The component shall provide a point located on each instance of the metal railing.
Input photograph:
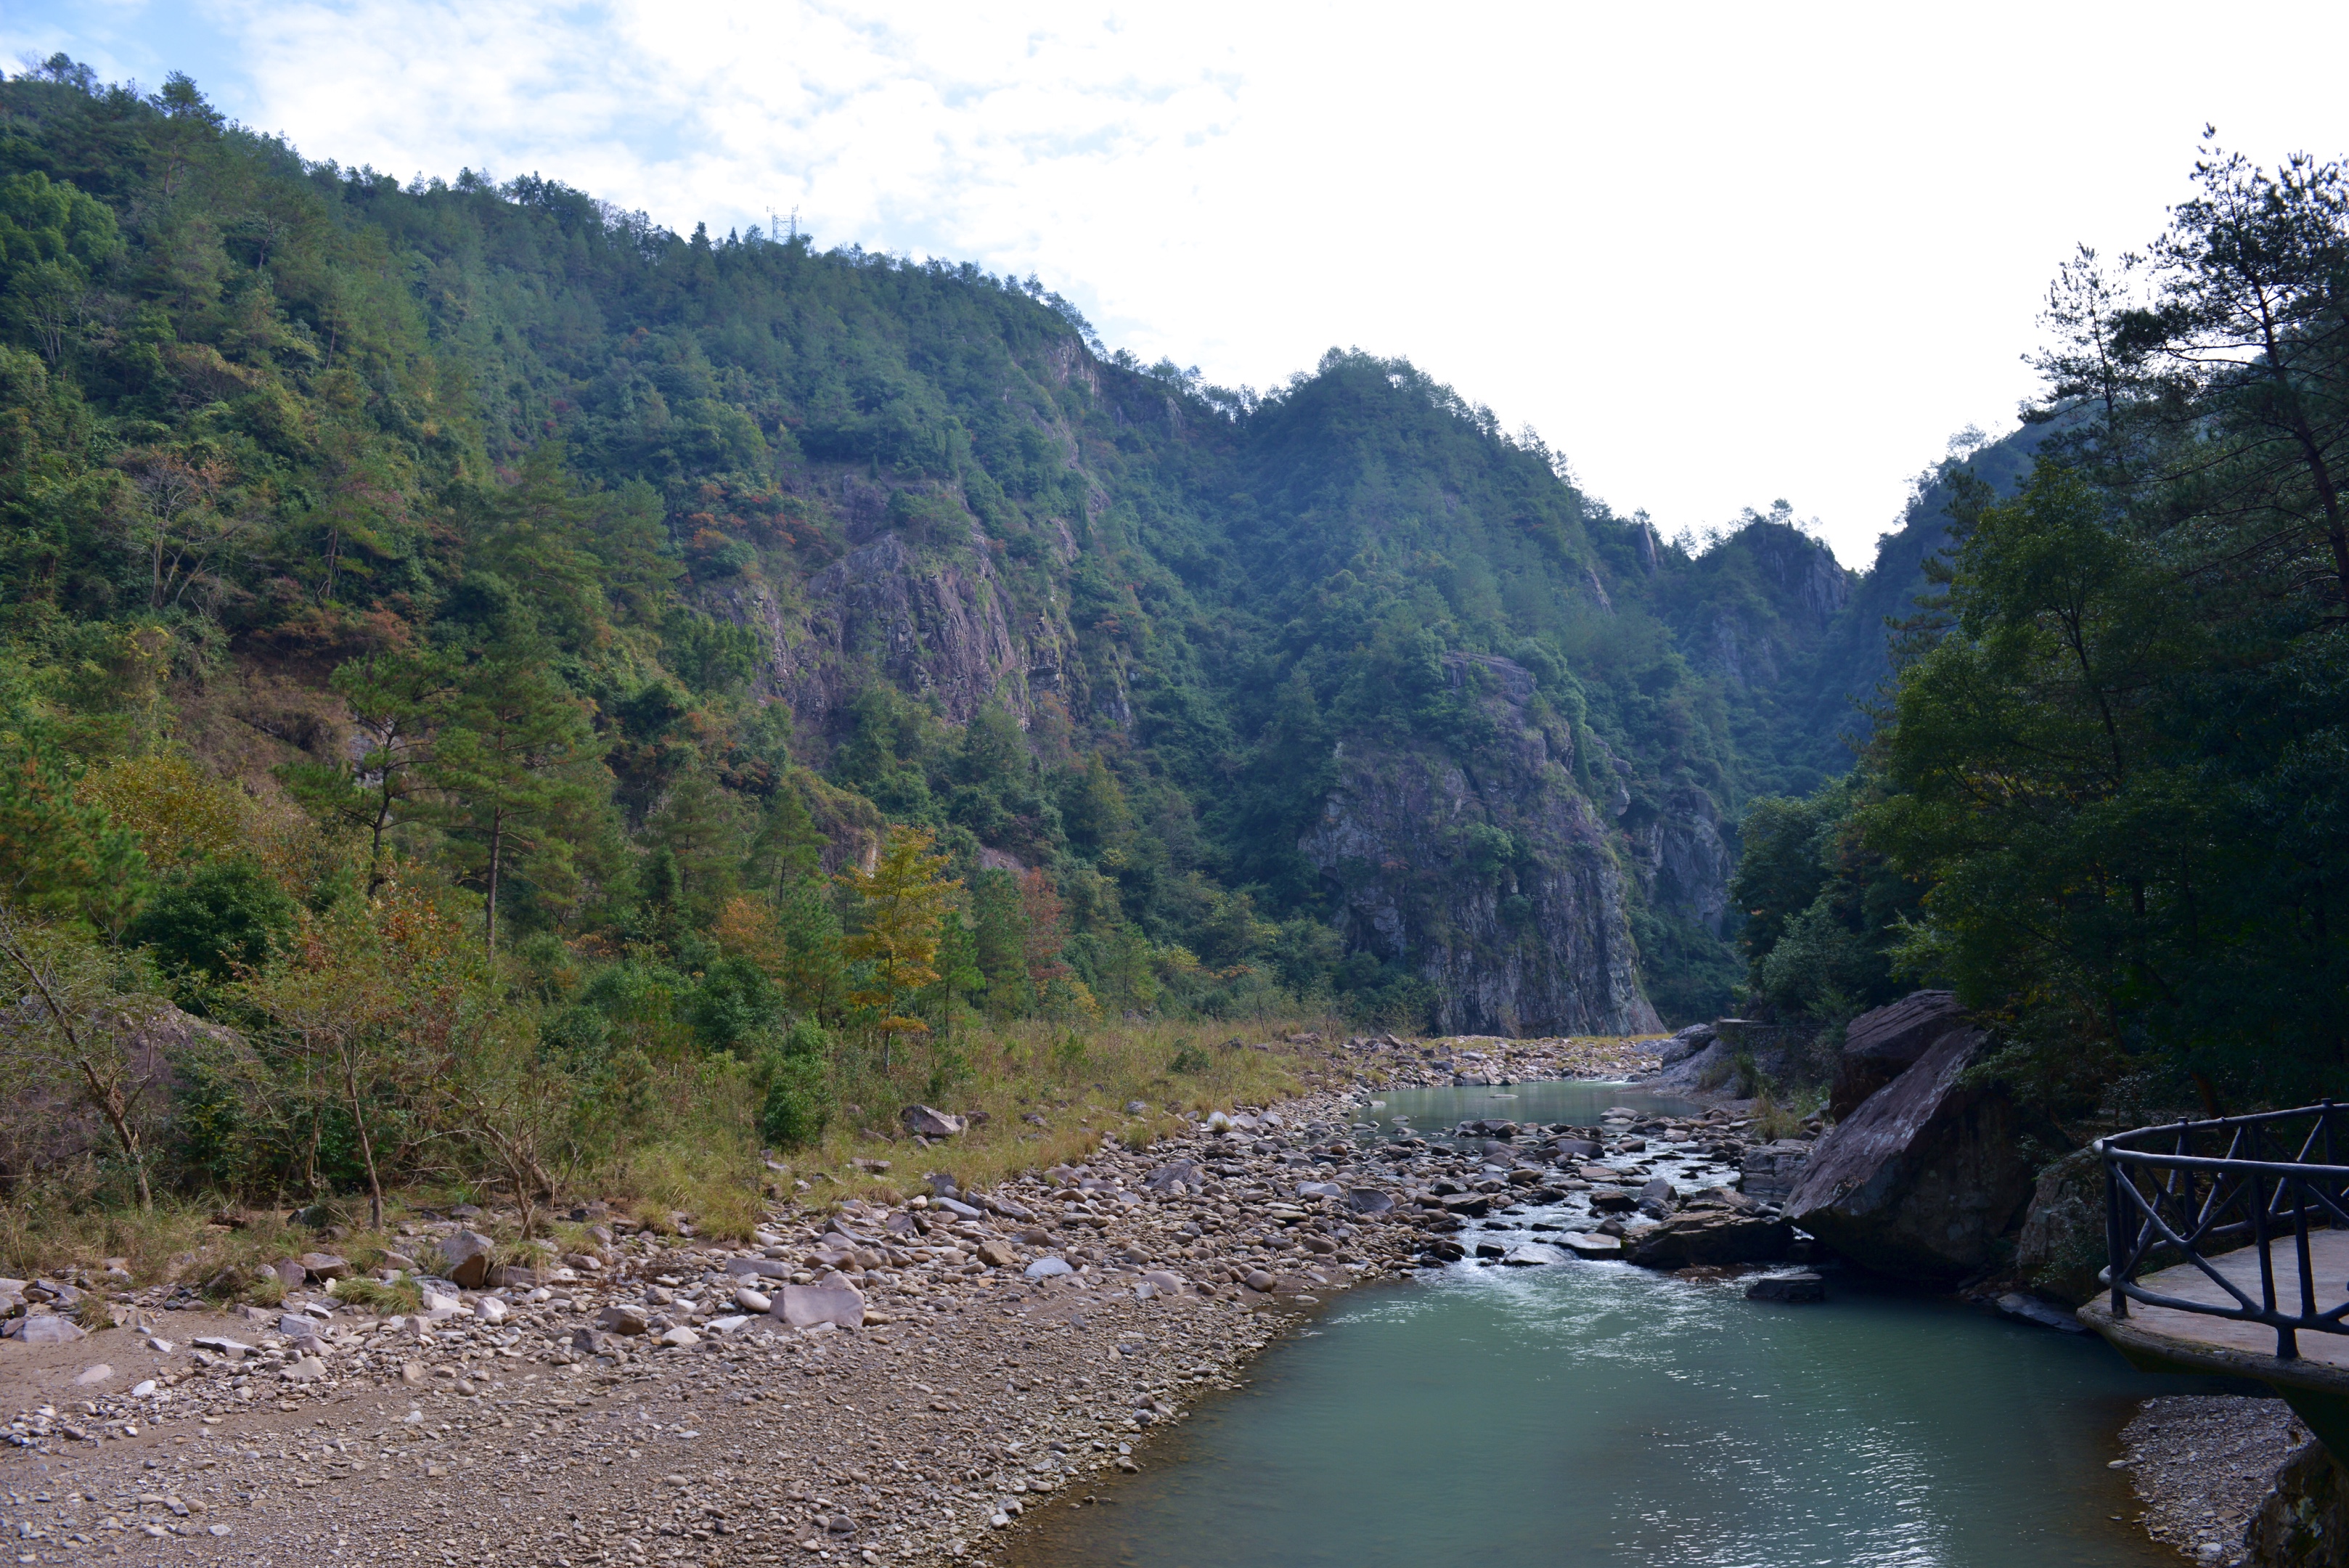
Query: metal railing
(2188, 1191)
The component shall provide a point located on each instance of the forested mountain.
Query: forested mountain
(607, 586)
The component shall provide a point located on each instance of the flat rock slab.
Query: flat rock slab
(804, 1306)
(1712, 1236)
(48, 1329)
(1595, 1244)
(1533, 1254)
(1805, 1287)
(2031, 1308)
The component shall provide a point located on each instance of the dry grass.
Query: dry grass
(176, 1242)
(1773, 1120)
(1079, 1084)
(379, 1297)
(695, 1154)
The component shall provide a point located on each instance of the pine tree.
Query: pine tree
(508, 761)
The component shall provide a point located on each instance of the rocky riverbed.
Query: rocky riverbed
(1465, 1060)
(889, 1383)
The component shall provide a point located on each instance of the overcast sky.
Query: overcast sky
(1715, 255)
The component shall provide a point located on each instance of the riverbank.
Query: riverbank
(957, 1358)
(2202, 1465)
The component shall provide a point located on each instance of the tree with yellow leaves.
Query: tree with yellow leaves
(905, 897)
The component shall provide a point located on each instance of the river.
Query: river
(1596, 1413)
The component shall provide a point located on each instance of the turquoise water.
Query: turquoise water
(1594, 1413)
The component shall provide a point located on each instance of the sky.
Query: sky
(1716, 255)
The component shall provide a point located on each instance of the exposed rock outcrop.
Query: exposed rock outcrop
(1685, 1043)
(1682, 863)
(937, 628)
(1881, 1045)
(2302, 1523)
(1489, 872)
(1925, 1177)
(47, 1117)
(2062, 1245)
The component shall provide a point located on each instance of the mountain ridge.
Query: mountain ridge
(894, 500)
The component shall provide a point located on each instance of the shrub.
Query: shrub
(797, 1104)
(223, 914)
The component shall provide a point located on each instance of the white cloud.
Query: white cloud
(1715, 253)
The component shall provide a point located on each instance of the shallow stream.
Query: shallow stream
(1596, 1413)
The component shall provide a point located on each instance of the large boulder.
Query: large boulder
(2061, 1246)
(927, 1121)
(46, 1329)
(467, 1258)
(1685, 1043)
(1924, 1180)
(1880, 1046)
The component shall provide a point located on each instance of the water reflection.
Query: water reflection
(1594, 1413)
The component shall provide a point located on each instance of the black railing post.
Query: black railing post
(2324, 1123)
(2300, 1246)
(2114, 1268)
(2287, 1343)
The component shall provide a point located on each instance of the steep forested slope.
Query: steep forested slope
(655, 572)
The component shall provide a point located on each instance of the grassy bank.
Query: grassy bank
(1037, 1094)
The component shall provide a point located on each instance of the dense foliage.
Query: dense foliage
(2112, 787)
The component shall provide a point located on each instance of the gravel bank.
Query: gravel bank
(2201, 1463)
(651, 1401)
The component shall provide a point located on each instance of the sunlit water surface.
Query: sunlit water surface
(1596, 1413)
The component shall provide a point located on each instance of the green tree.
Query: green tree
(213, 920)
(53, 238)
(701, 824)
(60, 853)
(1093, 808)
(512, 760)
(1000, 940)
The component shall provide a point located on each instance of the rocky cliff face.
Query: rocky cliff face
(1680, 859)
(933, 624)
(1490, 874)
